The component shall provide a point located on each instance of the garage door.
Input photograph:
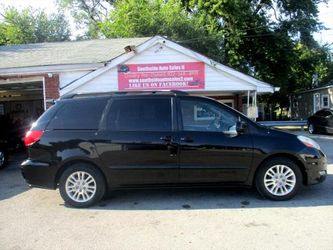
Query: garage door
(21, 103)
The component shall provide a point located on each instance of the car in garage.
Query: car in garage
(321, 122)
(4, 140)
(3, 154)
(11, 139)
(86, 145)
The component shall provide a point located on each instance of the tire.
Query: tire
(270, 184)
(75, 192)
(311, 128)
(3, 159)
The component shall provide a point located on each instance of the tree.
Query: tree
(32, 26)
(268, 39)
(128, 18)
(88, 14)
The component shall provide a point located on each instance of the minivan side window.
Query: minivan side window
(205, 116)
(79, 114)
(140, 115)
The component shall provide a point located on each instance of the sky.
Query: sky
(325, 15)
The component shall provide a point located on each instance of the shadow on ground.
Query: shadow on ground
(13, 184)
(11, 180)
(213, 198)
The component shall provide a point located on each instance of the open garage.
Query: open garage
(21, 102)
(22, 99)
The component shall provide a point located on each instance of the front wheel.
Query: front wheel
(279, 179)
(81, 185)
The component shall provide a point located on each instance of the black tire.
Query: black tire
(3, 159)
(311, 128)
(271, 165)
(100, 185)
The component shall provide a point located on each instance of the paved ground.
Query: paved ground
(167, 219)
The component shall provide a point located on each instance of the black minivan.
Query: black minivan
(89, 144)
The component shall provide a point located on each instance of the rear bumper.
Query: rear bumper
(38, 174)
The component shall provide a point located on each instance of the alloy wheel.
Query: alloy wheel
(279, 180)
(80, 186)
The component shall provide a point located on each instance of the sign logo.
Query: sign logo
(161, 76)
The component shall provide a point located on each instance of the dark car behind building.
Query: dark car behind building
(321, 122)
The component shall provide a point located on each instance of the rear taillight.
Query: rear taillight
(32, 136)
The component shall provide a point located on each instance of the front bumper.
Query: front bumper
(38, 174)
(315, 167)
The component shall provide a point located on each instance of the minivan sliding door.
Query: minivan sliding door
(138, 145)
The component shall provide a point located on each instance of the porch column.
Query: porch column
(255, 105)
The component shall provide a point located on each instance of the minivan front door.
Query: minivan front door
(211, 151)
(138, 145)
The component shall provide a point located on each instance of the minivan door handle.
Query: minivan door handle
(186, 139)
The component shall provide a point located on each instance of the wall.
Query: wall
(215, 80)
(52, 87)
(304, 106)
(66, 78)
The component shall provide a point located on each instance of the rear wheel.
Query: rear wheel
(3, 159)
(279, 179)
(81, 185)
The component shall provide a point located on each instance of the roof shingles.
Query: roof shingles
(60, 53)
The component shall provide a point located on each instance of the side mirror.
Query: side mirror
(241, 127)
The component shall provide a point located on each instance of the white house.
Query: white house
(32, 74)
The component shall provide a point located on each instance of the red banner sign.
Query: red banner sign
(161, 76)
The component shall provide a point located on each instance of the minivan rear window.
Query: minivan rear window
(79, 114)
(44, 119)
(140, 115)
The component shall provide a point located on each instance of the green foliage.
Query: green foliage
(269, 39)
(88, 15)
(32, 26)
(146, 18)
(131, 18)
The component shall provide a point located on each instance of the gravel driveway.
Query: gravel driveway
(167, 219)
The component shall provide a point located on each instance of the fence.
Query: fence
(301, 124)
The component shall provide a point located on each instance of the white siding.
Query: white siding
(106, 82)
(215, 80)
(68, 77)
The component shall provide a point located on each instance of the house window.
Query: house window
(324, 101)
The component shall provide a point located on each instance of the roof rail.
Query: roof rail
(175, 92)
(179, 92)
